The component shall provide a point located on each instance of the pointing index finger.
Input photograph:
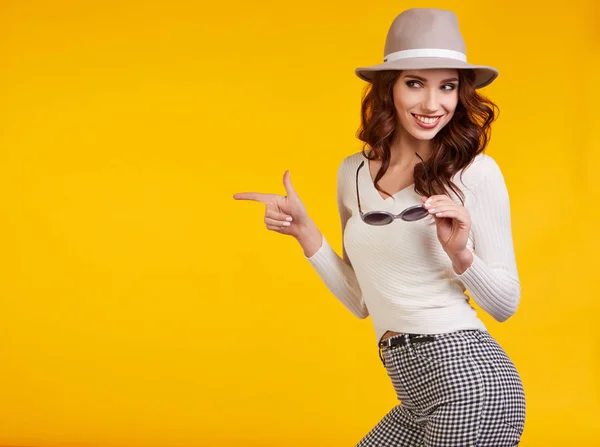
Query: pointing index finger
(254, 196)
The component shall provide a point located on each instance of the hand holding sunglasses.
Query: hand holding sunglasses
(453, 223)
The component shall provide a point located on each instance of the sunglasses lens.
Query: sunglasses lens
(376, 218)
(414, 213)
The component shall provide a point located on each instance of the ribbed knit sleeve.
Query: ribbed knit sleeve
(492, 280)
(337, 272)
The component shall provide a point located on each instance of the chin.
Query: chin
(424, 135)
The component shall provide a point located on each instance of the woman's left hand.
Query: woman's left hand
(453, 223)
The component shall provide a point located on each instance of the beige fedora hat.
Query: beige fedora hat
(423, 38)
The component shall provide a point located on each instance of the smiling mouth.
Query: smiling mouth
(427, 119)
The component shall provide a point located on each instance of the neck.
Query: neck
(402, 150)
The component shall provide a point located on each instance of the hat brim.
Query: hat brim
(484, 75)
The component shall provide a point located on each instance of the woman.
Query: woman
(425, 217)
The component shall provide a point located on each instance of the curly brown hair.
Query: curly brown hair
(454, 147)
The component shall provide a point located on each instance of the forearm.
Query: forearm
(334, 271)
(493, 289)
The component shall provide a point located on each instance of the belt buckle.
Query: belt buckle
(390, 341)
(400, 340)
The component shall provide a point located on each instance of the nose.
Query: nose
(430, 101)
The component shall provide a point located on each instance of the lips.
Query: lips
(427, 122)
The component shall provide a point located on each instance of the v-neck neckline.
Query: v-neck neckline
(377, 192)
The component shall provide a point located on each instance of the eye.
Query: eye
(413, 84)
(449, 87)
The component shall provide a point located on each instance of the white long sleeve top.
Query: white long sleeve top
(400, 275)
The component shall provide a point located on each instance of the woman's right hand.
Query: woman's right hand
(283, 214)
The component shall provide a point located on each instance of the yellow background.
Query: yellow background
(142, 306)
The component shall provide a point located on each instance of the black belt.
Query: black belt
(400, 340)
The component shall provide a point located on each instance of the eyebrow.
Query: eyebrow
(425, 80)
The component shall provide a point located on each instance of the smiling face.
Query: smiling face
(425, 100)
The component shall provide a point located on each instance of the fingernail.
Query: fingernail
(289, 219)
(286, 224)
(432, 210)
(439, 214)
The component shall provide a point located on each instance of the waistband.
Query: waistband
(403, 339)
(406, 339)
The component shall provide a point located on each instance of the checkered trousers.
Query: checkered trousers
(458, 390)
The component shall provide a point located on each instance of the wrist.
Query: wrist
(461, 261)
(309, 237)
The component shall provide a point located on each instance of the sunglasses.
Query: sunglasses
(410, 214)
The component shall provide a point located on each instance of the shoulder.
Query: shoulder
(349, 164)
(483, 169)
(484, 181)
(352, 161)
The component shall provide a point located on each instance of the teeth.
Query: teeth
(427, 120)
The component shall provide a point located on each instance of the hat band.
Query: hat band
(426, 52)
